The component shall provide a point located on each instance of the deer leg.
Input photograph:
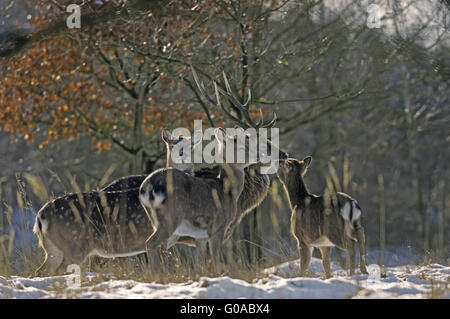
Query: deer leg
(215, 250)
(201, 251)
(53, 259)
(326, 260)
(154, 246)
(351, 254)
(229, 230)
(361, 242)
(305, 258)
(231, 226)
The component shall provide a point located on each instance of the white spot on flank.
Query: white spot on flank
(159, 198)
(322, 241)
(345, 211)
(146, 203)
(44, 225)
(356, 212)
(144, 200)
(189, 230)
(104, 254)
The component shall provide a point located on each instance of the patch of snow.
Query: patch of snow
(277, 282)
(395, 256)
(292, 268)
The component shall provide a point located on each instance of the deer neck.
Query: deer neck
(297, 192)
(256, 186)
(235, 176)
(168, 159)
(253, 193)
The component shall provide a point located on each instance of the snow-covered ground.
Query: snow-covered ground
(278, 282)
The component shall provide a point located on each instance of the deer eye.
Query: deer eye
(181, 152)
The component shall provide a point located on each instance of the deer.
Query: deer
(256, 186)
(256, 183)
(109, 223)
(182, 205)
(134, 181)
(321, 221)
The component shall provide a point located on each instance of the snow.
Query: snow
(407, 281)
(404, 279)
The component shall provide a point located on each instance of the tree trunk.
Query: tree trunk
(252, 234)
(381, 261)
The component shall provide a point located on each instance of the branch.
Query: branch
(199, 99)
(13, 42)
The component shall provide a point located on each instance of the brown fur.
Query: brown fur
(73, 227)
(59, 244)
(317, 217)
(173, 198)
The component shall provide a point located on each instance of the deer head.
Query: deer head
(293, 167)
(265, 146)
(180, 150)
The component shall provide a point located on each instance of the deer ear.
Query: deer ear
(305, 164)
(166, 135)
(307, 161)
(221, 135)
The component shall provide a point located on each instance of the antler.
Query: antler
(216, 102)
(243, 108)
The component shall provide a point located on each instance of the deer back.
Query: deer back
(106, 221)
(178, 195)
(125, 183)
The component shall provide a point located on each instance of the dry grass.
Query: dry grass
(22, 259)
(242, 258)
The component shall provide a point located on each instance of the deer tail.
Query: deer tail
(40, 224)
(351, 213)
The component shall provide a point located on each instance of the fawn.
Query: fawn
(321, 221)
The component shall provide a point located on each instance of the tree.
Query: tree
(338, 87)
(88, 82)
